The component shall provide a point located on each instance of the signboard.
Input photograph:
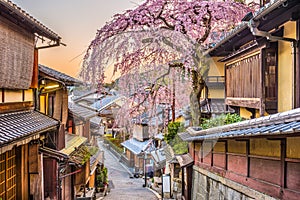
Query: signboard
(166, 183)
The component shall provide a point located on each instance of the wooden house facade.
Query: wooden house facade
(53, 101)
(253, 159)
(82, 150)
(261, 59)
(23, 128)
(256, 158)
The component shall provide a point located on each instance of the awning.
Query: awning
(82, 154)
(135, 146)
(184, 160)
(18, 126)
(278, 124)
(72, 143)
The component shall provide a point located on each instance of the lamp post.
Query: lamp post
(145, 173)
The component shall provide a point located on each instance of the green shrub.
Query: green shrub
(178, 145)
(221, 120)
(173, 128)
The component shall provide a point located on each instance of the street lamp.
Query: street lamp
(145, 173)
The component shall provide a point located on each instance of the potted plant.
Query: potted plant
(101, 180)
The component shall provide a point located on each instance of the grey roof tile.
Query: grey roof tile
(16, 125)
(23, 17)
(135, 146)
(68, 80)
(82, 112)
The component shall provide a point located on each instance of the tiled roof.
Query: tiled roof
(159, 157)
(170, 155)
(72, 143)
(97, 158)
(135, 146)
(159, 136)
(68, 80)
(82, 112)
(184, 159)
(261, 13)
(22, 16)
(105, 102)
(95, 121)
(17, 125)
(278, 124)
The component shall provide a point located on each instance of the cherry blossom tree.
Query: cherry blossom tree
(165, 39)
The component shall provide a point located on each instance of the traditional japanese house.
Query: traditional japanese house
(261, 58)
(136, 156)
(253, 159)
(257, 158)
(108, 107)
(213, 95)
(53, 101)
(22, 127)
(80, 149)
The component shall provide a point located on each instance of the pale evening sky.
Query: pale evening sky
(76, 21)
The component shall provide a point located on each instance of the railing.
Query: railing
(215, 81)
(113, 148)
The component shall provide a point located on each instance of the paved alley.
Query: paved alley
(122, 187)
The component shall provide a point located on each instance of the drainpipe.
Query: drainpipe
(256, 32)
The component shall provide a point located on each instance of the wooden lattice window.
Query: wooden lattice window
(8, 187)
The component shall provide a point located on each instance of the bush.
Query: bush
(221, 120)
(178, 145)
(173, 128)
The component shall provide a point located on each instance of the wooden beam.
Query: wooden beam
(15, 106)
(244, 102)
(3, 95)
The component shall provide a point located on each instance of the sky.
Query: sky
(76, 21)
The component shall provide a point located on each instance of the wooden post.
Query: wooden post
(248, 157)
(297, 67)
(262, 83)
(283, 163)
(35, 179)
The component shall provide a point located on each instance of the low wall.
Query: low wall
(207, 185)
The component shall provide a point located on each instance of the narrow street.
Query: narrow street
(122, 187)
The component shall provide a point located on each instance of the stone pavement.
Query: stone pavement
(122, 187)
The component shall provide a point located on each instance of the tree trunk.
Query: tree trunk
(195, 102)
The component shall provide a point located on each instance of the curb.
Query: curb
(154, 192)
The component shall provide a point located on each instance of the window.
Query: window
(8, 175)
(270, 74)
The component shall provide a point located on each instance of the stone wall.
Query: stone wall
(207, 185)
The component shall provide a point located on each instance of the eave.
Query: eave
(15, 14)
